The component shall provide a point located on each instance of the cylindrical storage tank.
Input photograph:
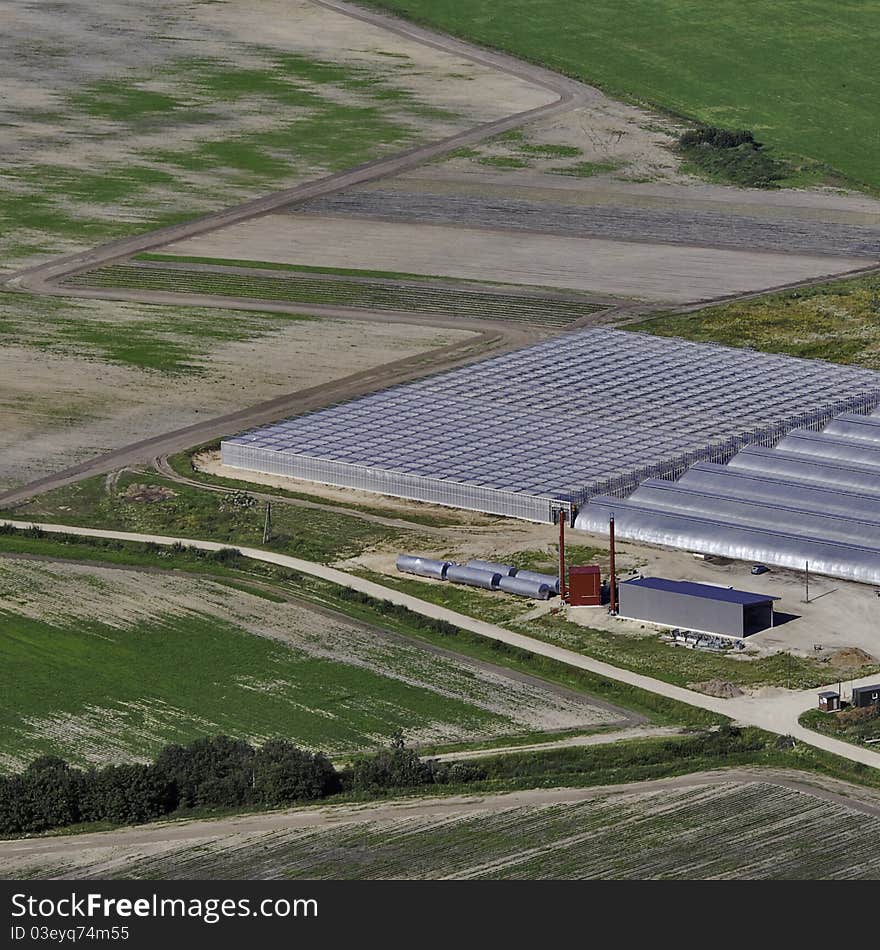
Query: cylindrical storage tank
(423, 566)
(551, 580)
(505, 570)
(462, 574)
(524, 587)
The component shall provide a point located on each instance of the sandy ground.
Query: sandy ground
(663, 273)
(49, 55)
(57, 409)
(210, 464)
(840, 614)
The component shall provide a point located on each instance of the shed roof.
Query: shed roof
(706, 591)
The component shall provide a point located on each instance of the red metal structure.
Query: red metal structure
(584, 585)
(563, 587)
(612, 576)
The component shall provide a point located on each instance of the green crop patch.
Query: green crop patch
(797, 72)
(838, 322)
(154, 505)
(140, 336)
(97, 693)
(299, 288)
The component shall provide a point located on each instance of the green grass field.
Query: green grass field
(838, 322)
(91, 692)
(325, 117)
(649, 655)
(800, 73)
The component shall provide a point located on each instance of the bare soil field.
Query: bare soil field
(68, 394)
(658, 272)
(337, 684)
(116, 118)
(721, 826)
(572, 212)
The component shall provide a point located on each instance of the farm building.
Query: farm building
(866, 695)
(699, 607)
(697, 446)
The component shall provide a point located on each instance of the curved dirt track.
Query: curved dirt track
(778, 714)
(303, 400)
(44, 278)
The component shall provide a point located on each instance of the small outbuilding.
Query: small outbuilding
(700, 607)
(584, 585)
(829, 700)
(866, 695)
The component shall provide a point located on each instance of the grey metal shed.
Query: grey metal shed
(700, 607)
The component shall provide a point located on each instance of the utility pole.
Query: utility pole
(267, 526)
(806, 582)
(612, 579)
(563, 587)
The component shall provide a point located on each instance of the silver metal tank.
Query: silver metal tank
(423, 566)
(462, 574)
(524, 587)
(505, 570)
(551, 580)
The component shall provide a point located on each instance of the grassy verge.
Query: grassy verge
(368, 610)
(857, 726)
(182, 463)
(837, 321)
(649, 655)
(645, 654)
(151, 504)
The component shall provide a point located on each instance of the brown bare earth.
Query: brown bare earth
(656, 272)
(59, 409)
(689, 827)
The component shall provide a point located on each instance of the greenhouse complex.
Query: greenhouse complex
(692, 445)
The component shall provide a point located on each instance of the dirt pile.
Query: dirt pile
(721, 689)
(850, 658)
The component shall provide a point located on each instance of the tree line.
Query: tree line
(212, 772)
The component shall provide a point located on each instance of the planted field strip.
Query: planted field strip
(110, 665)
(672, 225)
(359, 293)
(729, 830)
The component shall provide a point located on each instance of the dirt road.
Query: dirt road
(778, 713)
(304, 400)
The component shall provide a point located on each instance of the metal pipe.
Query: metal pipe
(612, 577)
(563, 588)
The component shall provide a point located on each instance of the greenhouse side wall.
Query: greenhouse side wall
(432, 490)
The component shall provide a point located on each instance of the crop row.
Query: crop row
(726, 831)
(306, 289)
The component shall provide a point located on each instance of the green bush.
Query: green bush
(733, 156)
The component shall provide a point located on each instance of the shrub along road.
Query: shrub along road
(778, 714)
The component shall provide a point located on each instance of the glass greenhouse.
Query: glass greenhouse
(588, 413)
